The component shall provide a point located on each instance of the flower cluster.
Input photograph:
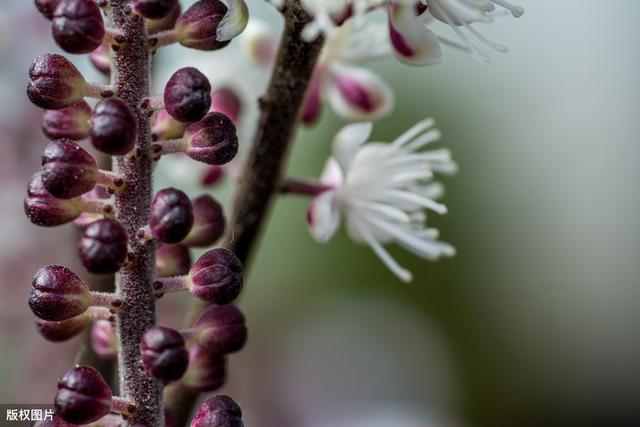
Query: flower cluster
(71, 188)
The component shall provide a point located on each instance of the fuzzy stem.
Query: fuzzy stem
(130, 77)
(262, 172)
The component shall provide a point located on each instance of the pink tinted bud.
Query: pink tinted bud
(71, 122)
(187, 95)
(77, 26)
(113, 127)
(101, 59)
(54, 82)
(216, 277)
(313, 101)
(212, 176)
(171, 215)
(164, 355)
(45, 210)
(212, 140)
(57, 331)
(103, 339)
(103, 246)
(208, 224)
(154, 9)
(68, 170)
(206, 370)
(172, 260)
(197, 27)
(57, 293)
(83, 396)
(221, 329)
(218, 411)
(167, 23)
(225, 100)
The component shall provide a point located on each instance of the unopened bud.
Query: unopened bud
(83, 396)
(68, 170)
(172, 260)
(63, 330)
(77, 26)
(57, 293)
(187, 95)
(221, 329)
(113, 127)
(212, 140)
(71, 122)
(208, 224)
(171, 215)
(103, 339)
(45, 210)
(103, 246)
(206, 370)
(216, 277)
(198, 26)
(54, 82)
(154, 9)
(218, 411)
(164, 355)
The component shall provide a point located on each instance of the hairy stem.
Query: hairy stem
(130, 76)
(263, 170)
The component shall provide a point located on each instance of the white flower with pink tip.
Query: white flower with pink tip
(382, 190)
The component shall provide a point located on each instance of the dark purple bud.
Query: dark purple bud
(216, 277)
(83, 396)
(154, 9)
(164, 355)
(187, 95)
(113, 127)
(165, 24)
(63, 330)
(212, 140)
(206, 370)
(57, 293)
(54, 82)
(77, 26)
(171, 215)
(101, 59)
(198, 25)
(46, 7)
(221, 329)
(226, 101)
(103, 339)
(172, 260)
(218, 411)
(71, 122)
(103, 246)
(166, 127)
(208, 223)
(68, 170)
(45, 210)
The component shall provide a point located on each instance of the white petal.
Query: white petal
(412, 42)
(359, 94)
(323, 216)
(234, 21)
(347, 142)
(332, 174)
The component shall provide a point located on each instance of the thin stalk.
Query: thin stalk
(262, 173)
(130, 77)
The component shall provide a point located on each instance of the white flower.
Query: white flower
(382, 191)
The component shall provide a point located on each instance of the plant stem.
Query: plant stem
(130, 76)
(263, 169)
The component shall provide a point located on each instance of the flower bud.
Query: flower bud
(55, 421)
(103, 339)
(198, 26)
(77, 26)
(216, 277)
(164, 355)
(103, 246)
(57, 293)
(154, 9)
(218, 411)
(206, 370)
(46, 7)
(208, 223)
(166, 127)
(45, 210)
(171, 215)
(155, 26)
(172, 260)
(71, 122)
(101, 58)
(83, 396)
(227, 102)
(221, 329)
(54, 82)
(187, 95)
(212, 140)
(68, 170)
(212, 176)
(63, 330)
(113, 127)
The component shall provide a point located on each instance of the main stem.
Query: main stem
(262, 172)
(131, 76)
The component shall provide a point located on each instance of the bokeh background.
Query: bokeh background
(534, 323)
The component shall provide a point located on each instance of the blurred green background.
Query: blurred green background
(533, 323)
